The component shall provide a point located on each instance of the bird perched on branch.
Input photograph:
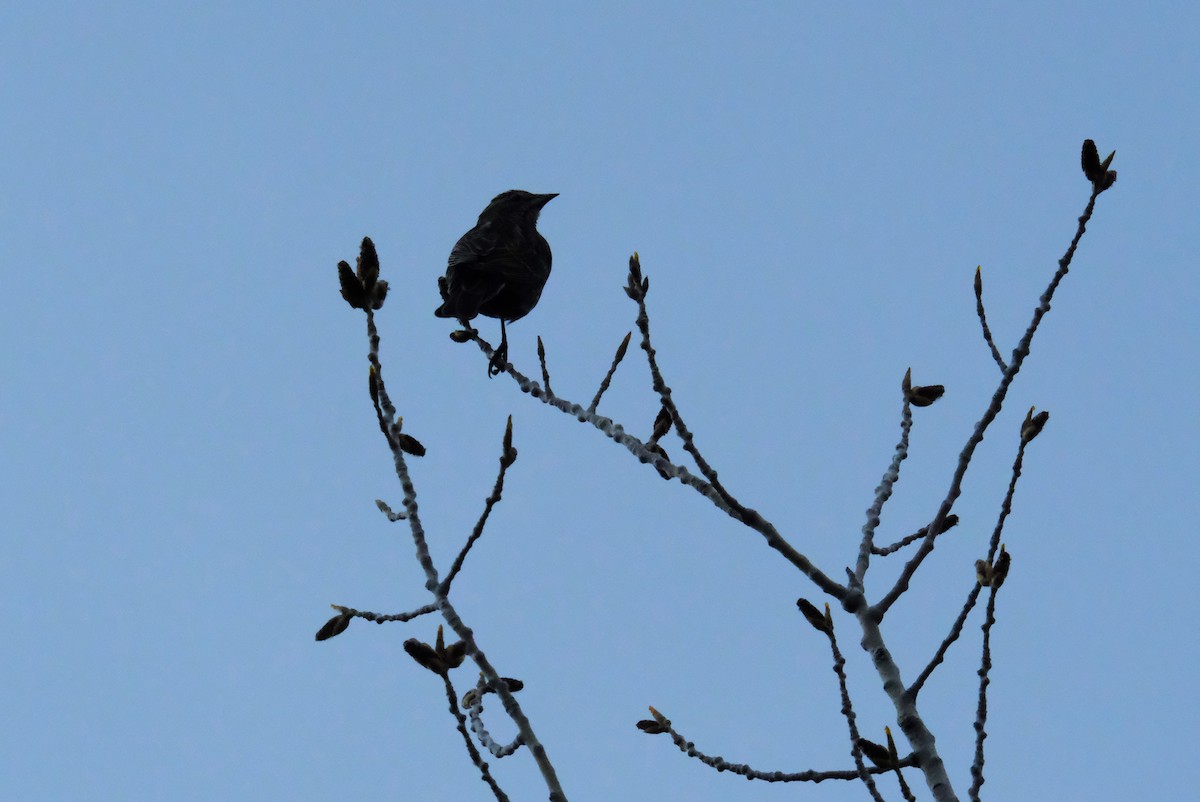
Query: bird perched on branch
(499, 267)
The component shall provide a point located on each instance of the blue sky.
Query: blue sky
(191, 459)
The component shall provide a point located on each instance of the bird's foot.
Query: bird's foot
(498, 362)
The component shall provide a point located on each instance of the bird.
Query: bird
(499, 268)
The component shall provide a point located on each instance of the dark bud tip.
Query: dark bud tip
(978, 280)
(659, 451)
(950, 522)
(514, 685)
(891, 746)
(410, 445)
(651, 727)
(352, 289)
(924, 395)
(425, 655)
(623, 347)
(635, 266)
(508, 454)
(460, 336)
(368, 264)
(876, 753)
(814, 616)
(379, 294)
(662, 425)
(636, 287)
(1000, 569)
(454, 654)
(1033, 425)
(334, 627)
(1090, 160)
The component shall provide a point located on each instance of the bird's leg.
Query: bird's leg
(500, 355)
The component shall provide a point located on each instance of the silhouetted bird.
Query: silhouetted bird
(499, 267)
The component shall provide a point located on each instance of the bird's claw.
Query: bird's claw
(498, 362)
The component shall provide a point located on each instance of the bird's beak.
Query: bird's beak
(544, 199)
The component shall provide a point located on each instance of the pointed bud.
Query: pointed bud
(1000, 571)
(651, 727)
(425, 656)
(623, 347)
(949, 522)
(460, 336)
(1090, 161)
(334, 627)
(410, 445)
(379, 294)
(876, 753)
(662, 425)
(1033, 425)
(921, 395)
(454, 654)
(983, 572)
(636, 287)
(814, 616)
(368, 265)
(352, 289)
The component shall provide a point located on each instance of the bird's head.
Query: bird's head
(518, 203)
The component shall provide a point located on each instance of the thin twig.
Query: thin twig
(481, 731)
(381, 618)
(947, 642)
(743, 770)
(839, 668)
(542, 359)
(747, 516)
(997, 402)
(882, 493)
(635, 446)
(611, 370)
(476, 758)
(1006, 505)
(987, 333)
(973, 596)
(506, 459)
(432, 583)
(951, 522)
(985, 667)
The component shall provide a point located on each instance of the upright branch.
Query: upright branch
(979, 310)
(1102, 178)
(498, 269)
(363, 289)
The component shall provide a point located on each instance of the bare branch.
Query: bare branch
(987, 333)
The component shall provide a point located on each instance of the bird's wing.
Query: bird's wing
(478, 244)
